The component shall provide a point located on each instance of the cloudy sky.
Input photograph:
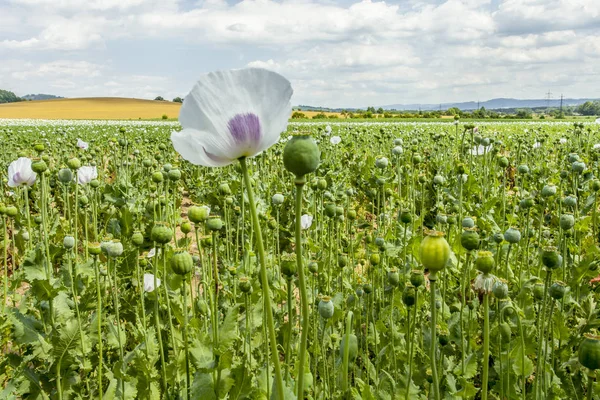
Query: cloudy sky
(346, 53)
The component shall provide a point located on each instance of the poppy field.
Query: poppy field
(450, 260)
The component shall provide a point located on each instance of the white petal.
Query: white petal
(219, 96)
(192, 146)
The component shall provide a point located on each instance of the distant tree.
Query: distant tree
(165, 116)
(177, 100)
(371, 110)
(298, 115)
(589, 108)
(453, 111)
(8, 97)
(319, 116)
(524, 113)
(159, 98)
(380, 110)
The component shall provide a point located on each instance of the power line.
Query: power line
(548, 97)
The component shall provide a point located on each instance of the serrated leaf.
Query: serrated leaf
(228, 331)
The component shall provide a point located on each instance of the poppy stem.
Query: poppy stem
(265, 282)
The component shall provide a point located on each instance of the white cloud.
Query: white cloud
(336, 54)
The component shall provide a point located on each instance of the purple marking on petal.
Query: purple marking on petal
(17, 178)
(245, 128)
(214, 157)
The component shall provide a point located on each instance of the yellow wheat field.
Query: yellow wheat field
(91, 108)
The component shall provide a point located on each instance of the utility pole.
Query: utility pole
(548, 97)
(561, 101)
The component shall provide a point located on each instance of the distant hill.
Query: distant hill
(8, 97)
(493, 104)
(41, 97)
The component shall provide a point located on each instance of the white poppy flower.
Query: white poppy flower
(335, 140)
(153, 252)
(82, 145)
(480, 150)
(328, 130)
(232, 114)
(306, 221)
(537, 145)
(562, 140)
(149, 283)
(598, 121)
(20, 173)
(86, 174)
(596, 146)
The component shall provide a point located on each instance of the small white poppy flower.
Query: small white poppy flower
(328, 130)
(20, 173)
(82, 145)
(149, 283)
(86, 174)
(562, 140)
(537, 145)
(596, 146)
(232, 114)
(480, 150)
(335, 140)
(153, 252)
(306, 221)
(597, 121)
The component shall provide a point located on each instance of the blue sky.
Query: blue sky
(336, 53)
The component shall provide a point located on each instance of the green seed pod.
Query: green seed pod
(417, 278)
(523, 169)
(505, 331)
(393, 277)
(512, 235)
(182, 262)
(12, 211)
(374, 258)
(409, 296)
(322, 184)
(83, 200)
(330, 210)
(589, 352)
(551, 257)
(503, 162)
(498, 237)
(567, 221)
(538, 291)
(468, 222)
(288, 264)
(434, 251)
(147, 163)
(367, 288)
(595, 185)
(469, 239)
(381, 162)
(557, 290)
(224, 189)
(313, 267)
(94, 183)
(485, 262)
(570, 201)
(198, 214)
(443, 338)
(342, 261)
(326, 307)
(405, 217)
(351, 215)
(500, 290)
(114, 249)
(214, 224)
(68, 242)
(65, 176)
(352, 347)
(39, 147)
(137, 238)
(185, 227)
(74, 163)
(157, 177)
(39, 166)
(94, 248)
(161, 233)
(244, 284)
(439, 180)
(301, 155)
(548, 191)
(578, 167)
(174, 174)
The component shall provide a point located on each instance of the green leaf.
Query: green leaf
(203, 387)
(517, 363)
(228, 332)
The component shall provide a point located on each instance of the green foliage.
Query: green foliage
(8, 97)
